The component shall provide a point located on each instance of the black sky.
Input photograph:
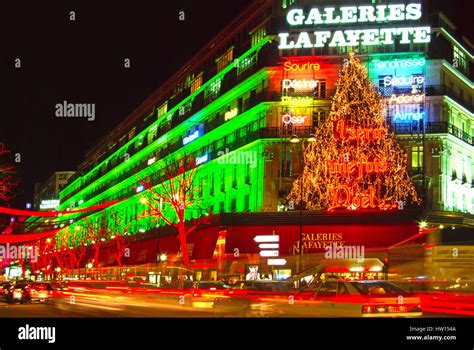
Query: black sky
(82, 61)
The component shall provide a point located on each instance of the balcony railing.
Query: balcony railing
(432, 128)
(429, 90)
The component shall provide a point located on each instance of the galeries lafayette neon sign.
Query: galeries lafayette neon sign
(347, 15)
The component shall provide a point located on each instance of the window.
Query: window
(131, 134)
(196, 83)
(214, 89)
(320, 90)
(223, 180)
(224, 60)
(179, 87)
(152, 133)
(287, 164)
(459, 59)
(221, 207)
(212, 184)
(318, 118)
(417, 157)
(233, 205)
(234, 178)
(247, 202)
(139, 142)
(201, 187)
(163, 109)
(258, 35)
(185, 108)
(246, 63)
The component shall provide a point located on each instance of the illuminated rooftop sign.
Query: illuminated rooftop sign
(404, 80)
(407, 99)
(300, 85)
(403, 63)
(346, 15)
(291, 119)
(290, 66)
(297, 101)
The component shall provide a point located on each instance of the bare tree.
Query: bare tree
(7, 181)
(175, 191)
(119, 238)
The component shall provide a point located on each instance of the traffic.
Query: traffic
(319, 291)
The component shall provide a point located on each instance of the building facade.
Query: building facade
(266, 78)
(47, 193)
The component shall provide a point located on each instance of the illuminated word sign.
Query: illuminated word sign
(291, 119)
(49, 204)
(343, 132)
(191, 137)
(403, 81)
(300, 85)
(358, 168)
(408, 116)
(202, 159)
(231, 114)
(346, 197)
(405, 63)
(406, 99)
(344, 15)
(289, 66)
(297, 101)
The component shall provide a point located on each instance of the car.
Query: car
(329, 298)
(246, 297)
(363, 298)
(30, 292)
(263, 286)
(203, 293)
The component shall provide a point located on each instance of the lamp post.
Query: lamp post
(295, 139)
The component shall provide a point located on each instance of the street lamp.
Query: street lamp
(295, 139)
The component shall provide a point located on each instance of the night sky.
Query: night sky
(82, 61)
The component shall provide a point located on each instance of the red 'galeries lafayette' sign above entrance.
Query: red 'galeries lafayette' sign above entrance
(317, 237)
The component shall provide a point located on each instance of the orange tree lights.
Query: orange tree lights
(355, 163)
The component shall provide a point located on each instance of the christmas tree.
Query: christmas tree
(355, 163)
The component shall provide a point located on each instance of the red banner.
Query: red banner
(316, 237)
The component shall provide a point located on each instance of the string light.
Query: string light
(356, 162)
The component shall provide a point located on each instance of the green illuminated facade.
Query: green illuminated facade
(226, 109)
